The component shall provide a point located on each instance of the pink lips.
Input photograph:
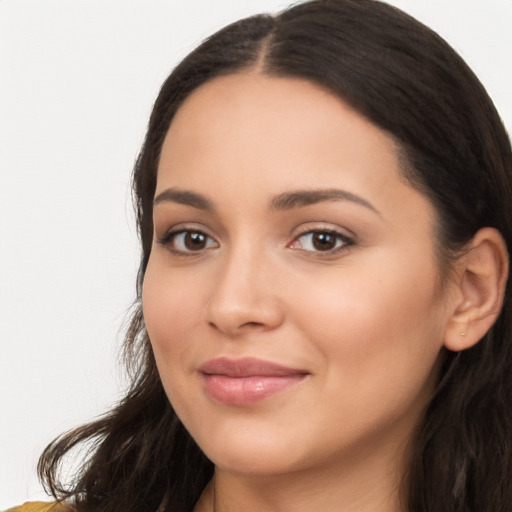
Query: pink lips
(246, 381)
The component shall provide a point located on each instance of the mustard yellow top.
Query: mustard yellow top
(41, 506)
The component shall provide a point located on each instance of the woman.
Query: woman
(324, 208)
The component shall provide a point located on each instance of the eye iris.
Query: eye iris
(195, 241)
(324, 241)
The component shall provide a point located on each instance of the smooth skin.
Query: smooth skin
(285, 231)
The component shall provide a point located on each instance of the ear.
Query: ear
(481, 277)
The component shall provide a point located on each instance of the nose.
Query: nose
(244, 297)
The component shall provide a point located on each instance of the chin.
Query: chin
(252, 451)
(255, 462)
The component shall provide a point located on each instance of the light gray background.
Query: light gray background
(77, 81)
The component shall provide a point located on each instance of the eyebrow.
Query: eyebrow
(185, 197)
(284, 201)
(301, 198)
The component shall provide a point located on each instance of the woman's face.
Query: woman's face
(292, 295)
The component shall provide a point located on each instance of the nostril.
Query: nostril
(252, 324)
(246, 325)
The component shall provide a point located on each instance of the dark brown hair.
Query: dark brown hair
(409, 82)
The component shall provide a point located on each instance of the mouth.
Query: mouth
(246, 381)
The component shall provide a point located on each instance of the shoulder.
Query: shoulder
(40, 506)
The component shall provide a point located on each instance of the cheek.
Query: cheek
(376, 329)
(171, 308)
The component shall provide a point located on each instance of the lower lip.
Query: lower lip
(247, 390)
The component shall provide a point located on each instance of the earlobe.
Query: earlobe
(482, 274)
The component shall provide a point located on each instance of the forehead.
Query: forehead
(250, 100)
(248, 135)
(269, 121)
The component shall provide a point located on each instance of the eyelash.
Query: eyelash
(342, 241)
(171, 236)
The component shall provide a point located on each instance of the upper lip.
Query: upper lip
(247, 367)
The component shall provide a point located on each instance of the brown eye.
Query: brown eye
(195, 241)
(321, 242)
(188, 241)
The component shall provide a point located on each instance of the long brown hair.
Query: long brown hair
(454, 148)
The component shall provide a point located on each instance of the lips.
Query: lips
(248, 380)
